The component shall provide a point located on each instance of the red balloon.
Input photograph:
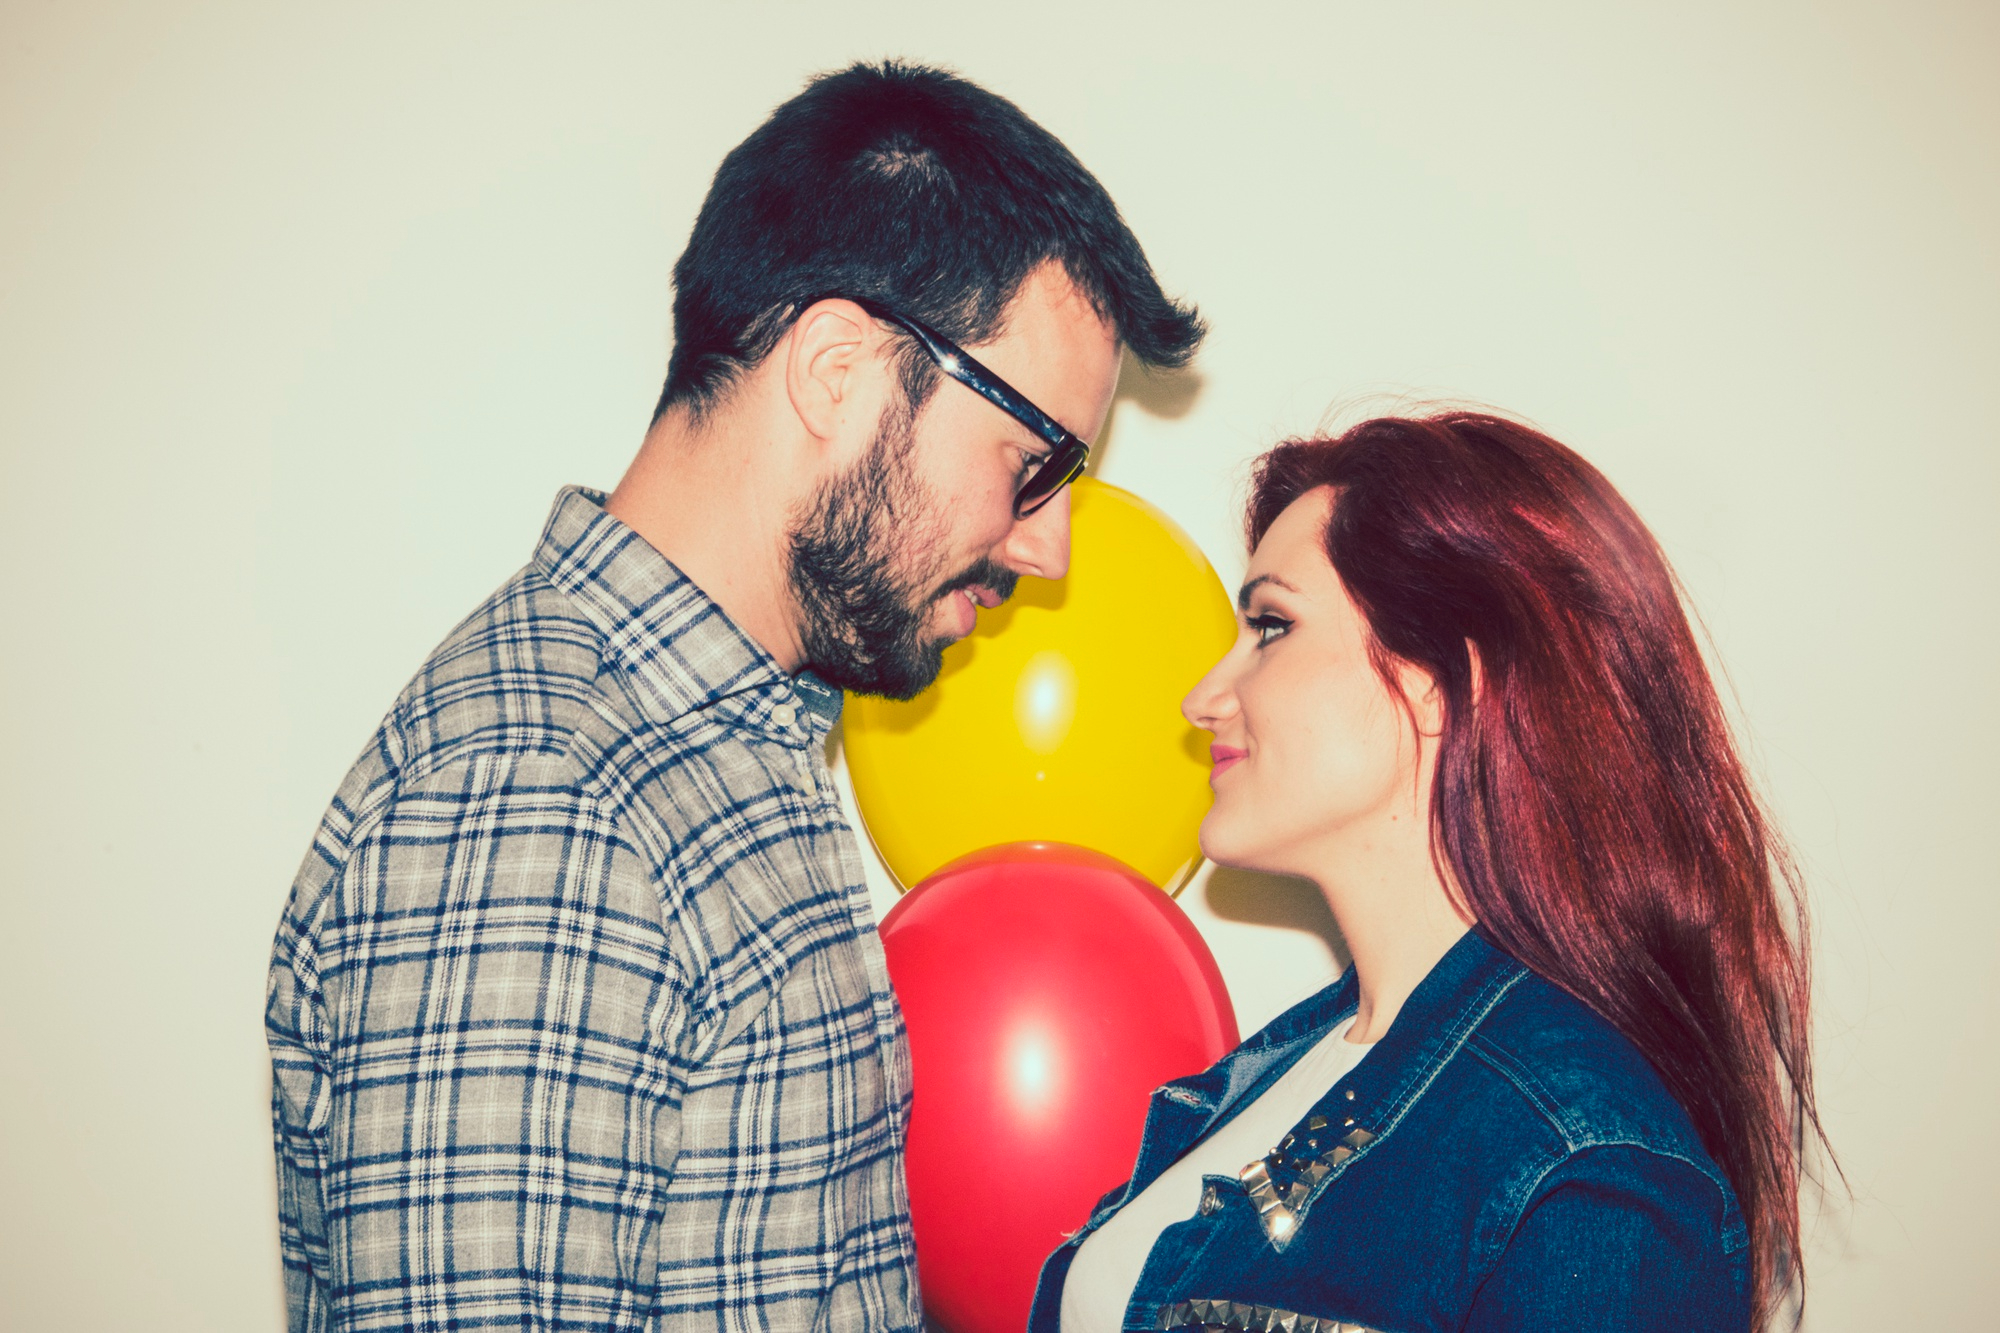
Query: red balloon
(1048, 990)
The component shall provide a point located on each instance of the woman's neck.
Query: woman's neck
(1396, 914)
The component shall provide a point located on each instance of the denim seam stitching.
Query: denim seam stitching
(1524, 1082)
(1576, 1140)
(1740, 1232)
(1475, 1014)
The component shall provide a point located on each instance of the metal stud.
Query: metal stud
(1246, 1317)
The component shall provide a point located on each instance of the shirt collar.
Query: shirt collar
(679, 649)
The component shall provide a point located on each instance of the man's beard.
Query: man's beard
(867, 568)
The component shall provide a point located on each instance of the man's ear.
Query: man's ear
(828, 358)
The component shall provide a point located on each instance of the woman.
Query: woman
(1566, 1082)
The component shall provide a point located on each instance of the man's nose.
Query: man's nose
(1039, 543)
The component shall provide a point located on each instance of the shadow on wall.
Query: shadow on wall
(1169, 394)
(1274, 900)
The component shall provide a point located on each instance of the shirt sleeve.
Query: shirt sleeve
(1618, 1240)
(477, 1086)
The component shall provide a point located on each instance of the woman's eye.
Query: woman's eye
(1268, 627)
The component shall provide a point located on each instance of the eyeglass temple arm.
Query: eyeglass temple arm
(963, 367)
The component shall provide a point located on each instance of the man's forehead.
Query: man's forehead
(1055, 348)
(1048, 301)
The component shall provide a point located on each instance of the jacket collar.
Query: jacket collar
(1366, 1106)
(1434, 1022)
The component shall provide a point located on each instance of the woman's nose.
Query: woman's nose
(1213, 699)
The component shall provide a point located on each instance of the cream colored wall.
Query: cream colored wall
(305, 313)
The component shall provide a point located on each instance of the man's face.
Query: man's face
(891, 558)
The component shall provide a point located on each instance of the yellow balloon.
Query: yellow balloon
(1058, 718)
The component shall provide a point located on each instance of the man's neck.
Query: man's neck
(706, 498)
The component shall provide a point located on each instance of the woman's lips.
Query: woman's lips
(1224, 757)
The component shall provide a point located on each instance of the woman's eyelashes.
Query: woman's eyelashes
(1267, 626)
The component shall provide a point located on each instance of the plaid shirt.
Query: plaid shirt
(577, 1014)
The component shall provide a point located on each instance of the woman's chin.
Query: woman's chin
(1224, 850)
(1245, 845)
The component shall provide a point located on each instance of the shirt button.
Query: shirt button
(784, 715)
(1211, 1201)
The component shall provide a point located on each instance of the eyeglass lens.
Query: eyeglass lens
(1058, 470)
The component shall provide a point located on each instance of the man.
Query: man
(577, 1014)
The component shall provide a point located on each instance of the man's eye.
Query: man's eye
(1031, 463)
(1268, 627)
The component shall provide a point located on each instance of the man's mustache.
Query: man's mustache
(985, 574)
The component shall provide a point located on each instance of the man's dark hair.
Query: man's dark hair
(912, 187)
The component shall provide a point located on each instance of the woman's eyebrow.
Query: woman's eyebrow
(1243, 593)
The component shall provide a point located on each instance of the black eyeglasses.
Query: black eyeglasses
(1055, 469)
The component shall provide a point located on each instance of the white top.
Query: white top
(1106, 1268)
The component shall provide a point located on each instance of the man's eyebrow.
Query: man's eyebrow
(1243, 593)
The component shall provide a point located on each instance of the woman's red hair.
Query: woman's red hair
(1589, 800)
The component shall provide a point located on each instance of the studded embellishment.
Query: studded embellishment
(1218, 1316)
(1280, 1182)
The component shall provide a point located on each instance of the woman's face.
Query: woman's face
(1313, 752)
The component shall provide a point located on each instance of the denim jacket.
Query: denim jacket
(1502, 1159)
